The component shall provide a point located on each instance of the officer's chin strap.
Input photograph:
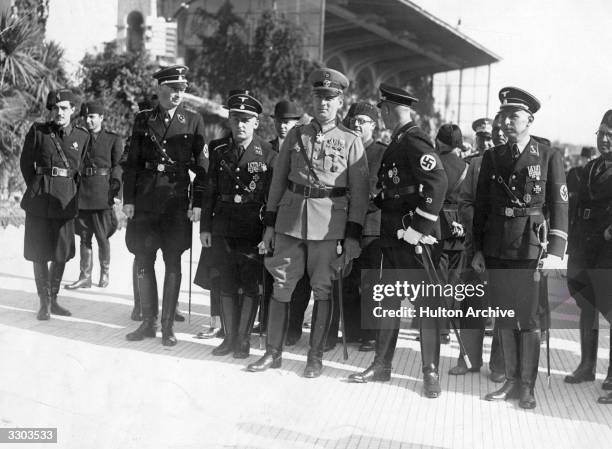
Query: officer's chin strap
(542, 232)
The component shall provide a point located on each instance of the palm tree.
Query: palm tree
(29, 68)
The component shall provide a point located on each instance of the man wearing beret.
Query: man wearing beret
(240, 172)
(413, 185)
(590, 254)
(100, 185)
(50, 162)
(314, 216)
(166, 143)
(519, 183)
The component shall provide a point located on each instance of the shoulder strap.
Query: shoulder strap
(60, 150)
(460, 180)
(305, 156)
(157, 146)
(500, 180)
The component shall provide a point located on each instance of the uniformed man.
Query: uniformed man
(483, 135)
(574, 176)
(50, 162)
(413, 186)
(314, 216)
(363, 118)
(452, 232)
(239, 178)
(497, 132)
(590, 255)
(166, 142)
(286, 116)
(100, 185)
(517, 181)
(473, 328)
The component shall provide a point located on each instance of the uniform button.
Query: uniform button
(513, 176)
(164, 142)
(185, 136)
(237, 168)
(237, 187)
(513, 188)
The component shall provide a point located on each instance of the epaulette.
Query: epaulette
(345, 128)
(81, 128)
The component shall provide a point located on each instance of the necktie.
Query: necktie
(166, 118)
(515, 153)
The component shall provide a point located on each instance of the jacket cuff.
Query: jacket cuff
(556, 245)
(353, 230)
(269, 218)
(421, 224)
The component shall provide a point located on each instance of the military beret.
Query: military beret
(242, 101)
(55, 96)
(483, 126)
(328, 80)
(513, 97)
(363, 108)
(395, 95)
(286, 110)
(450, 134)
(172, 74)
(92, 107)
(588, 151)
(607, 119)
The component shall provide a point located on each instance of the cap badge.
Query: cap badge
(241, 106)
(326, 83)
(242, 99)
(180, 70)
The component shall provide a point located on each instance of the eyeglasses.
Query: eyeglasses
(607, 135)
(361, 121)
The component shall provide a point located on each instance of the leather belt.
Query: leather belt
(239, 198)
(161, 167)
(56, 171)
(513, 212)
(396, 193)
(94, 171)
(316, 192)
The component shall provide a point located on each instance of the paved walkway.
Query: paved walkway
(79, 374)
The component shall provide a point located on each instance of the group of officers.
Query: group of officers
(294, 216)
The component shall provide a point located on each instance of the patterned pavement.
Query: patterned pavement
(79, 374)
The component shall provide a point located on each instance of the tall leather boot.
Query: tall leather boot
(585, 372)
(380, 369)
(136, 311)
(229, 317)
(530, 358)
(607, 383)
(56, 272)
(86, 263)
(510, 347)
(496, 359)
(146, 286)
(278, 320)
(430, 355)
(472, 340)
(242, 345)
(104, 256)
(322, 313)
(172, 286)
(41, 277)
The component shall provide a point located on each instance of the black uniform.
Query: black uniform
(50, 164)
(156, 182)
(590, 259)
(236, 191)
(514, 198)
(100, 184)
(408, 163)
